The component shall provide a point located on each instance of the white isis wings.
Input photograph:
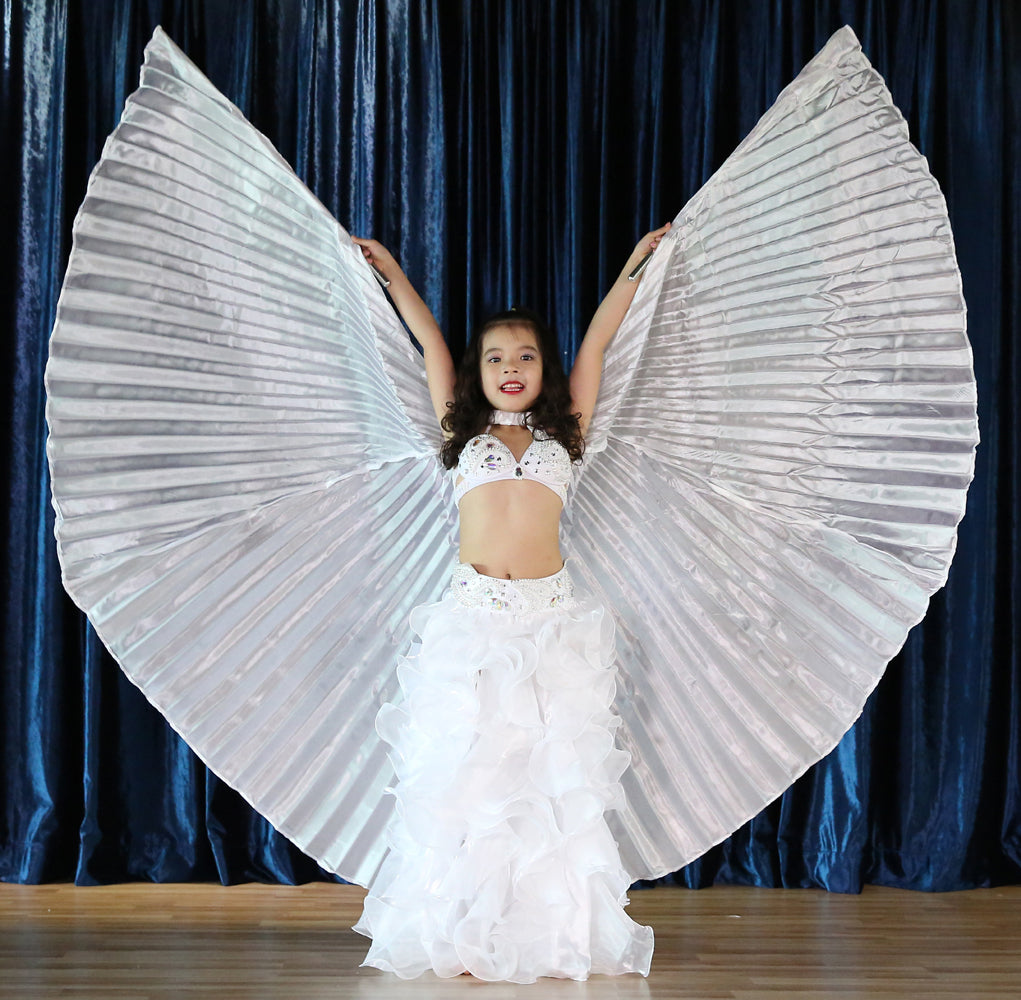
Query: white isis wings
(249, 503)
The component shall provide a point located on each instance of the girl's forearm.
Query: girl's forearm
(611, 311)
(439, 366)
(409, 304)
(415, 313)
(588, 365)
(615, 303)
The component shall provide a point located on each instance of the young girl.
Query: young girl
(501, 863)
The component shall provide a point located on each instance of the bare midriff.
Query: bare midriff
(511, 529)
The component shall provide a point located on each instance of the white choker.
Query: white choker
(509, 418)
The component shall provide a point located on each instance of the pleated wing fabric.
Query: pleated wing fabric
(243, 457)
(780, 456)
(249, 501)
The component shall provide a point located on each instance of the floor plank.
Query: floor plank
(150, 942)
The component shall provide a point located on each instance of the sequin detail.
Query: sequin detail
(527, 596)
(486, 459)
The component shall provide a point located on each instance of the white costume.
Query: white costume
(501, 861)
(249, 506)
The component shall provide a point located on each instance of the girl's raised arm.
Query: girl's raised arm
(588, 365)
(439, 366)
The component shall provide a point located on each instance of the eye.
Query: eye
(494, 359)
(527, 357)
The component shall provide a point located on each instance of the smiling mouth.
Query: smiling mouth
(512, 387)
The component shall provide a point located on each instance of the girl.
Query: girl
(501, 863)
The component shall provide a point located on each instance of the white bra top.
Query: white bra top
(486, 459)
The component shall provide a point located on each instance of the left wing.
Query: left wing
(243, 461)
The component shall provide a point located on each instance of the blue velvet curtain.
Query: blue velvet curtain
(513, 152)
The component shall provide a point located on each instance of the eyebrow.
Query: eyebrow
(519, 347)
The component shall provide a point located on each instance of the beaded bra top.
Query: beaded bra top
(486, 459)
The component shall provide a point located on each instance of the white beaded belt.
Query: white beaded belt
(524, 596)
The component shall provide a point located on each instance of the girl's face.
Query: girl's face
(511, 367)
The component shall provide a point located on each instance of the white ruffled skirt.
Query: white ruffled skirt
(500, 860)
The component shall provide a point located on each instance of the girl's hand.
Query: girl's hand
(645, 245)
(379, 257)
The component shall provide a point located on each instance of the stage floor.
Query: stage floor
(136, 942)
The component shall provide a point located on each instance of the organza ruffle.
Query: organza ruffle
(500, 860)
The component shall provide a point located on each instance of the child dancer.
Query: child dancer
(501, 863)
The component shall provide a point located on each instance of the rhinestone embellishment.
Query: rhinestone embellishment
(518, 596)
(486, 456)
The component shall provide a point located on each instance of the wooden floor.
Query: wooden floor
(137, 942)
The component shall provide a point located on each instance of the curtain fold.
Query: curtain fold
(512, 152)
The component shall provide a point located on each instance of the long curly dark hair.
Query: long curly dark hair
(469, 412)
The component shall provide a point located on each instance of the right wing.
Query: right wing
(244, 461)
(779, 457)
